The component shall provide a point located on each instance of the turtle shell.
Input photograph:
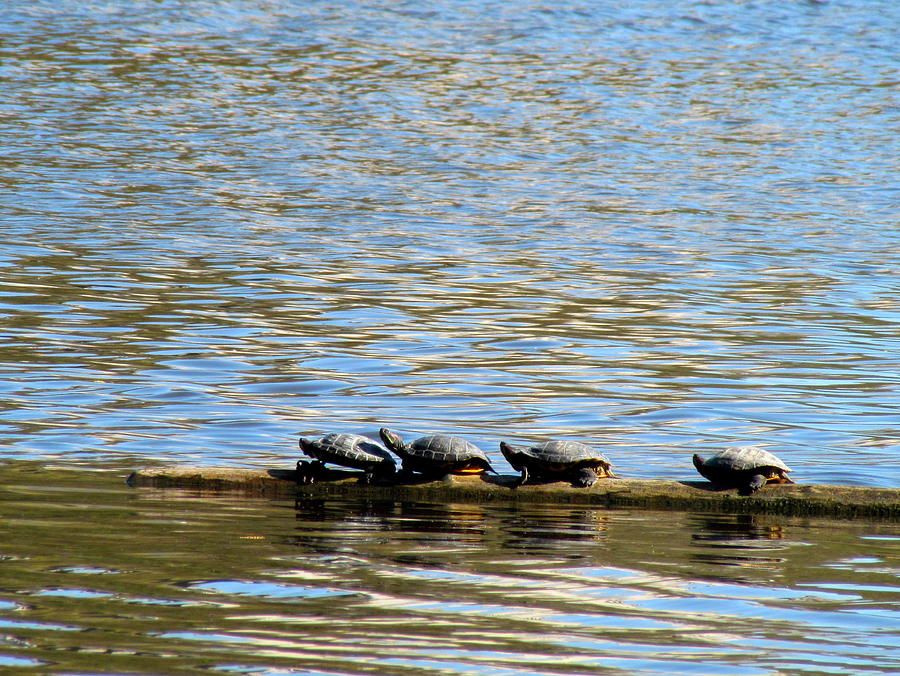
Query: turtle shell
(745, 467)
(744, 458)
(559, 454)
(438, 453)
(564, 460)
(348, 450)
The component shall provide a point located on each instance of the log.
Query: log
(844, 502)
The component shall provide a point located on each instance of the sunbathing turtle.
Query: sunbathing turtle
(437, 454)
(557, 461)
(743, 467)
(346, 450)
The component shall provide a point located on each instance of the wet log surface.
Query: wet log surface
(786, 499)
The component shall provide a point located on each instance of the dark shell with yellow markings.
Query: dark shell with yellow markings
(746, 468)
(349, 450)
(437, 454)
(560, 460)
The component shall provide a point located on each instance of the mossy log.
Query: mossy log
(784, 499)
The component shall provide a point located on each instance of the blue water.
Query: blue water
(656, 228)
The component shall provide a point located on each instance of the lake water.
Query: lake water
(658, 228)
(99, 578)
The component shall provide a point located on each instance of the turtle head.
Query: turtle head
(698, 462)
(311, 448)
(508, 450)
(391, 440)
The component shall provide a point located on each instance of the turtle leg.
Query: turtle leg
(584, 478)
(523, 477)
(379, 476)
(376, 476)
(756, 482)
(307, 472)
(302, 476)
(405, 474)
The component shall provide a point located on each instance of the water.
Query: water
(658, 228)
(101, 578)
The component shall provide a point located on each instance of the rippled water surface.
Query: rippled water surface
(655, 227)
(99, 578)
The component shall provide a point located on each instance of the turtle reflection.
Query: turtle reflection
(541, 530)
(740, 540)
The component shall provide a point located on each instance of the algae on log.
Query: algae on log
(785, 499)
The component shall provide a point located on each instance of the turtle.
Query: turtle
(557, 460)
(746, 468)
(437, 454)
(347, 450)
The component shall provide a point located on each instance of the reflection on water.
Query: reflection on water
(100, 578)
(740, 540)
(538, 531)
